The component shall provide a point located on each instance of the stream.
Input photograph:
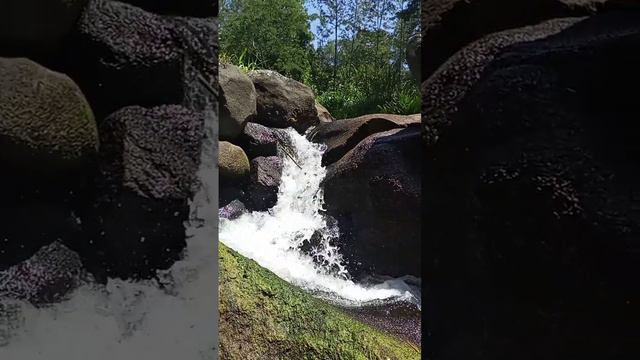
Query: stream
(274, 239)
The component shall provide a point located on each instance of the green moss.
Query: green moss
(263, 317)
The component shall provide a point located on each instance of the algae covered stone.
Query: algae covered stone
(264, 317)
(45, 120)
(232, 161)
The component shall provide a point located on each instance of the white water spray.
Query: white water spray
(129, 320)
(273, 238)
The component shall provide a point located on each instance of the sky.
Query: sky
(311, 9)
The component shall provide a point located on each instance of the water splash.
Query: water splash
(274, 238)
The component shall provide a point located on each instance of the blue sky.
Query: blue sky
(311, 9)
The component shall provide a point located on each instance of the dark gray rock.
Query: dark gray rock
(264, 180)
(258, 140)
(232, 210)
(374, 193)
(530, 180)
(450, 25)
(132, 57)
(148, 164)
(46, 277)
(283, 102)
(237, 101)
(343, 135)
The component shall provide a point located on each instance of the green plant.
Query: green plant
(240, 61)
(404, 102)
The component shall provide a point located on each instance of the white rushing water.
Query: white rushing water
(272, 238)
(133, 320)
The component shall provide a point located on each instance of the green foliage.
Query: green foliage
(263, 317)
(269, 34)
(241, 61)
(406, 102)
(359, 65)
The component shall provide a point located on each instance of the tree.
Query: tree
(273, 34)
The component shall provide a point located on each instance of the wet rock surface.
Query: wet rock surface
(264, 181)
(398, 319)
(374, 193)
(259, 140)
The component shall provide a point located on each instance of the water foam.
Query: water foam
(133, 320)
(273, 238)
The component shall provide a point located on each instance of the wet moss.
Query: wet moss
(264, 317)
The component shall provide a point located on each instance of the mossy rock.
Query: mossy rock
(264, 317)
(233, 162)
(45, 120)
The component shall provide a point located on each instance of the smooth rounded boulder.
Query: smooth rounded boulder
(46, 122)
(531, 208)
(343, 135)
(283, 102)
(48, 146)
(233, 163)
(237, 101)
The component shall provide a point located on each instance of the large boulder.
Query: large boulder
(192, 8)
(48, 144)
(233, 163)
(45, 120)
(237, 101)
(374, 193)
(531, 202)
(283, 102)
(131, 57)
(442, 92)
(449, 25)
(36, 27)
(264, 180)
(343, 135)
(148, 163)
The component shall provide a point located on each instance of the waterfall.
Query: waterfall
(134, 320)
(274, 238)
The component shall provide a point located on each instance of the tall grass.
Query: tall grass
(240, 61)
